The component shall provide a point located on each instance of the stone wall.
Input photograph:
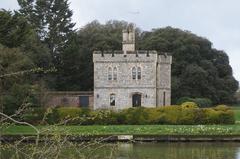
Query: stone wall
(164, 80)
(124, 87)
(68, 98)
(154, 85)
(123, 97)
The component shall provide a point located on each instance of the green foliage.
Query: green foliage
(237, 96)
(198, 70)
(34, 115)
(21, 53)
(20, 96)
(222, 108)
(14, 29)
(12, 60)
(77, 66)
(68, 112)
(184, 99)
(135, 116)
(201, 102)
(41, 35)
(189, 105)
(186, 115)
(52, 21)
(51, 116)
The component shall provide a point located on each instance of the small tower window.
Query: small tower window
(110, 73)
(134, 73)
(139, 73)
(112, 99)
(115, 73)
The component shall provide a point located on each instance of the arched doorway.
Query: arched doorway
(136, 100)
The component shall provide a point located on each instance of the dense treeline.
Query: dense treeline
(40, 36)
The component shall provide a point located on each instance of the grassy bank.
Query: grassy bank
(127, 129)
(236, 110)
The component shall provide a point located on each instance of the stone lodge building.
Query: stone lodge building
(131, 78)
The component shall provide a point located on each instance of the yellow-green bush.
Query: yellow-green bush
(171, 114)
(187, 116)
(201, 102)
(222, 107)
(189, 105)
(219, 115)
(187, 113)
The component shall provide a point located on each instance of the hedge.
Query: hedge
(186, 114)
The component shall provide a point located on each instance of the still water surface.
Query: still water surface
(164, 150)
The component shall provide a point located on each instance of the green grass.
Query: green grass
(236, 110)
(131, 129)
(127, 129)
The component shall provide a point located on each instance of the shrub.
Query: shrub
(73, 115)
(187, 113)
(222, 108)
(155, 116)
(212, 116)
(20, 95)
(217, 116)
(34, 115)
(189, 105)
(170, 114)
(187, 116)
(68, 112)
(103, 117)
(135, 116)
(226, 115)
(183, 100)
(201, 102)
(51, 116)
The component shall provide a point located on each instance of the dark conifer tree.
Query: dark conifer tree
(52, 21)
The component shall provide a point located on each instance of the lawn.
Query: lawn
(127, 129)
(237, 112)
(130, 129)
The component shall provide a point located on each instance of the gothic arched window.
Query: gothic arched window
(112, 99)
(115, 73)
(134, 73)
(110, 73)
(139, 73)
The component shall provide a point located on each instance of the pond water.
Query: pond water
(164, 150)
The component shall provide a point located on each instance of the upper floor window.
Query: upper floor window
(110, 73)
(139, 73)
(115, 73)
(134, 73)
(112, 99)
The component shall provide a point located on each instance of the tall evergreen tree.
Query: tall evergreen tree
(52, 21)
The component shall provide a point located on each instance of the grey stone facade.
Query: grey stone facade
(127, 78)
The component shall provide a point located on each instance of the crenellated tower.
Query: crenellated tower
(131, 78)
(128, 43)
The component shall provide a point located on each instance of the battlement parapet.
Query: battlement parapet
(128, 52)
(165, 58)
(131, 56)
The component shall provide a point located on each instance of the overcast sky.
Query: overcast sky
(217, 20)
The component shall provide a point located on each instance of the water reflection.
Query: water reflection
(179, 151)
(164, 150)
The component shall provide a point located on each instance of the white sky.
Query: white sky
(217, 20)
